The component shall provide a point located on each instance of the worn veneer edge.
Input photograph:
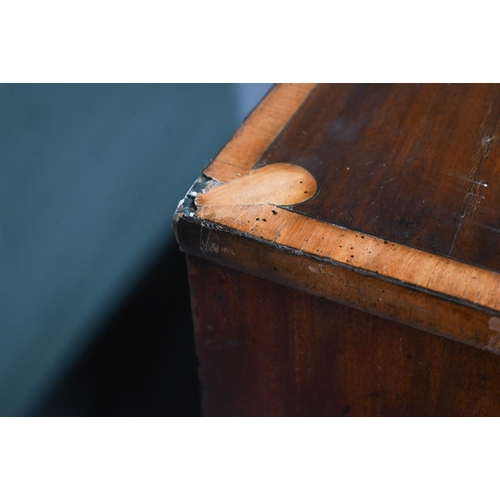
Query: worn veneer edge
(458, 291)
(380, 295)
(258, 131)
(394, 261)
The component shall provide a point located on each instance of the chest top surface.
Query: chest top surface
(384, 197)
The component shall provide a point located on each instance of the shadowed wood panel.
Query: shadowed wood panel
(269, 350)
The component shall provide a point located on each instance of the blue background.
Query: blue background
(94, 312)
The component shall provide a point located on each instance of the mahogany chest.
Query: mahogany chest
(343, 254)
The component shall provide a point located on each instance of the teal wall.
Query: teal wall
(90, 176)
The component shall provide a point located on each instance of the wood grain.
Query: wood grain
(316, 238)
(413, 164)
(277, 184)
(369, 292)
(269, 350)
(258, 131)
(362, 143)
(340, 229)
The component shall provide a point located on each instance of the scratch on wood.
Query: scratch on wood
(310, 237)
(485, 141)
(456, 234)
(226, 163)
(461, 177)
(471, 202)
(488, 227)
(279, 230)
(335, 244)
(431, 275)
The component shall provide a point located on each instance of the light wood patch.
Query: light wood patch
(277, 184)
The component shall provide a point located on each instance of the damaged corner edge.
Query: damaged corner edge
(186, 208)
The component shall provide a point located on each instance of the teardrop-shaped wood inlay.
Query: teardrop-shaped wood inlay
(275, 184)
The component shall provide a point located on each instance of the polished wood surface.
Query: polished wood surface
(257, 207)
(412, 164)
(353, 222)
(268, 350)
